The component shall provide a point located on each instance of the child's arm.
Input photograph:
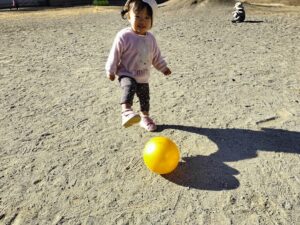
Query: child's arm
(158, 62)
(114, 58)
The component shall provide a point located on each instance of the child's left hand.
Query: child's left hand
(167, 72)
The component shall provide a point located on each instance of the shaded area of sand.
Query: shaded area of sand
(231, 105)
(274, 2)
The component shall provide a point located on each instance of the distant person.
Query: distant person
(239, 14)
(133, 52)
(15, 4)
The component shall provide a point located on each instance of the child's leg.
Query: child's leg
(143, 94)
(126, 106)
(128, 86)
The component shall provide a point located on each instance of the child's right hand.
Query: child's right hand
(111, 76)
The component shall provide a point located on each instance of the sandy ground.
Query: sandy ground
(231, 105)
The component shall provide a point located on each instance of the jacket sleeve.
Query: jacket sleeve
(158, 61)
(114, 56)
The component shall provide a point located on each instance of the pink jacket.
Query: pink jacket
(132, 55)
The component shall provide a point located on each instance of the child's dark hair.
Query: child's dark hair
(137, 6)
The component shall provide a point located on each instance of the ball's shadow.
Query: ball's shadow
(205, 173)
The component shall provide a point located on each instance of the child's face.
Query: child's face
(140, 21)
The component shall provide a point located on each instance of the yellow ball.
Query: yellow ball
(161, 155)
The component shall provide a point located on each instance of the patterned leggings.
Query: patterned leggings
(130, 87)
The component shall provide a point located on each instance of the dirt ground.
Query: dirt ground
(231, 105)
(274, 2)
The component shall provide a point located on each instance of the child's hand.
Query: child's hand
(111, 76)
(167, 72)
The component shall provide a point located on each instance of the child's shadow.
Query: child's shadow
(210, 172)
(253, 21)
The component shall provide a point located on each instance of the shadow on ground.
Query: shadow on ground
(205, 173)
(253, 21)
(210, 172)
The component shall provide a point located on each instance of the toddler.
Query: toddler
(239, 13)
(133, 52)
